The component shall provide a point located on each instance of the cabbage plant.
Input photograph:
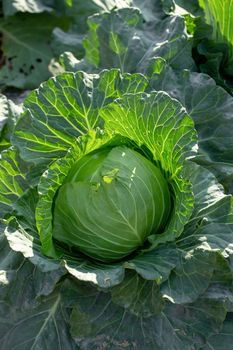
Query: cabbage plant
(102, 194)
(149, 181)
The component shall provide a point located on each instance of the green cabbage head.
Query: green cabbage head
(111, 200)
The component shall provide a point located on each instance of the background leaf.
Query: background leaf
(10, 7)
(124, 40)
(220, 16)
(27, 52)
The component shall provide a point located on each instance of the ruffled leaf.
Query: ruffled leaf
(161, 125)
(66, 107)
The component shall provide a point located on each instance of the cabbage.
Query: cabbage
(110, 202)
(112, 230)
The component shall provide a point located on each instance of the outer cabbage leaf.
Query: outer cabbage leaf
(22, 285)
(221, 286)
(10, 261)
(9, 114)
(4, 114)
(140, 297)
(225, 336)
(176, 327)
(13, 180)
(208, 232)
(70, 102)
(31, 282)
(42, 325)
(211, 109)
(190, 278)
(3, 111)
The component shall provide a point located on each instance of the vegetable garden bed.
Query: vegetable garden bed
(116, 175)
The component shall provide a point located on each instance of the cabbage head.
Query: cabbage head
(109, 203)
